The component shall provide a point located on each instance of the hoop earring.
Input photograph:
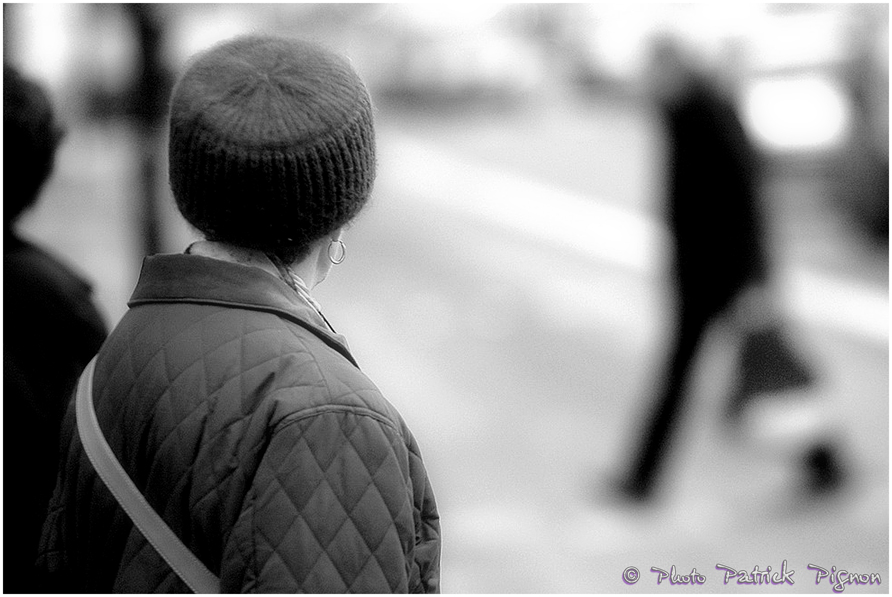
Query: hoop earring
(343, 253)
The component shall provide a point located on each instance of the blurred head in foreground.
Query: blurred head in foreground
(31, 135)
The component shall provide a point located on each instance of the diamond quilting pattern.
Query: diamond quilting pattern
(336, 475)
(276, 461)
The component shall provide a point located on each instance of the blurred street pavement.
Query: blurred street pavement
(507, 290)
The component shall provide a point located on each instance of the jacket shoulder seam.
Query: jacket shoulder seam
(324, 409)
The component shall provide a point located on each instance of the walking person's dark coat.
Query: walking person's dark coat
(713, 181)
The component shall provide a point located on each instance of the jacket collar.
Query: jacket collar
(177, 278)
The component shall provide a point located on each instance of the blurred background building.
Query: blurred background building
(507, 287)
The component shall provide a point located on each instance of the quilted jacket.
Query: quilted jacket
(248, 426)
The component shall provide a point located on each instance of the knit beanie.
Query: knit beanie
(271, 144)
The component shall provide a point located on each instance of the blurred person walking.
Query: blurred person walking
(51, 330)
(721, 260)
(233, 405)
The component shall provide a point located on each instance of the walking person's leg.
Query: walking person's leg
(656, 439)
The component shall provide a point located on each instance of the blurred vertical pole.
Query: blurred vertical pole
(8, 30)
(147, 104)
(12, 23)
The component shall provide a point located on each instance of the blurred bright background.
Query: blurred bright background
(508, 286)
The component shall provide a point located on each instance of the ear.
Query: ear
(321, 251)
(323, 263)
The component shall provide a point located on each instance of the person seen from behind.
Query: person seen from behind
(51, 330)
(231, 402)
(722, 269)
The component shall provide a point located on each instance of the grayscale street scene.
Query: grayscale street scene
(509, 286)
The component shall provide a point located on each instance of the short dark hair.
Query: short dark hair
(31, 135)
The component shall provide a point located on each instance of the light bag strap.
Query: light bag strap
(163, 539)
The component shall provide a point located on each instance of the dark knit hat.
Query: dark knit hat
(271, 143)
